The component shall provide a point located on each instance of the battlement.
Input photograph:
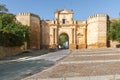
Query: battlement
(23, 14)
(97, 18)
(27, 14)
(97, 15)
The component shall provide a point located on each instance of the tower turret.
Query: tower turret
(97, 31)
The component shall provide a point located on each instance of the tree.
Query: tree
(62, 39)
(114, 31)
(12, 33)
(3, 8)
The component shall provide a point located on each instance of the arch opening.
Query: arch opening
(63, 41)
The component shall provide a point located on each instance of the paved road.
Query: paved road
(18, 67)
(89, 64)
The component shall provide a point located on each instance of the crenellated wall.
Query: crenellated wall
(24, 18)
(97, 31)
(90, 33)
(33, 21)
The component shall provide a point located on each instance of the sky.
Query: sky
(81, 8)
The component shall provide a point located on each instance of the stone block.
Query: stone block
(53, 46)
(81, 46)
(9, 51)
(97, 45)
(72, 46)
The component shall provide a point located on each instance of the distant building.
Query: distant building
(90, 33)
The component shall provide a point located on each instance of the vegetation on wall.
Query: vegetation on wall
(12, 33)
(114, 31)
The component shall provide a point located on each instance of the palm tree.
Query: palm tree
(3, 8)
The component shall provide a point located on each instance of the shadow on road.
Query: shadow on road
(32, 53)
(20, 69)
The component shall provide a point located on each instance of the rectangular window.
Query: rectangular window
(63, 21)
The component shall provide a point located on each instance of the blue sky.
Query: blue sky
(82, 8)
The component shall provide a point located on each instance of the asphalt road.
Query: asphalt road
(21, 66)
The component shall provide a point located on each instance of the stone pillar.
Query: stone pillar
(74, 36)
(56, 36)
(54, 46)
(53, 36)
(72, 46)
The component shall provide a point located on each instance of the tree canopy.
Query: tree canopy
(3, 8)
(12, 33)
(114, 31)
(62, 39)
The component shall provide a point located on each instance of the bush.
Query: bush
(12, 33)
(114, 31)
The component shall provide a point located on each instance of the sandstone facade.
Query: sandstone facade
(33, 21)
(90, 33)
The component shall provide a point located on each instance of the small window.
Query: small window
(63, 21)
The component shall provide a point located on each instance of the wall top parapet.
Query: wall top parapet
(27, 14)
(97, 15)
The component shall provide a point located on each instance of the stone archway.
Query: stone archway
(63, 41)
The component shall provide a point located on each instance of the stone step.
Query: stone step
(89, 61)
(95, 52)
(101, 54)
(81, 71)
(90, 64)
(105, 77)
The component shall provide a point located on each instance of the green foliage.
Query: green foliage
(3, 8)
(62, 39)
(12, 33)
(114, 31)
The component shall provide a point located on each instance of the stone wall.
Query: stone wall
(45, 34)
(90, 33)
(81, 34)
(35, 32)
(114, 44)
(97, 31)
(33, 21)
(23, 18)
(9, 51)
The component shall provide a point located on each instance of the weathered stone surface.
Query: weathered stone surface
(72, 46)
(81, 46)
(97, 31)
(91, 32)
(33, 21)
(9, 51)
(97, 45)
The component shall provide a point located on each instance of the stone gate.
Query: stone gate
(90, 33)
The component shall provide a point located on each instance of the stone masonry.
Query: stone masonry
(33, 21)
(90, 33)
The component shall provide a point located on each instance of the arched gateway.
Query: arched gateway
(63, 41)
(90, 33)
(63, 24)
